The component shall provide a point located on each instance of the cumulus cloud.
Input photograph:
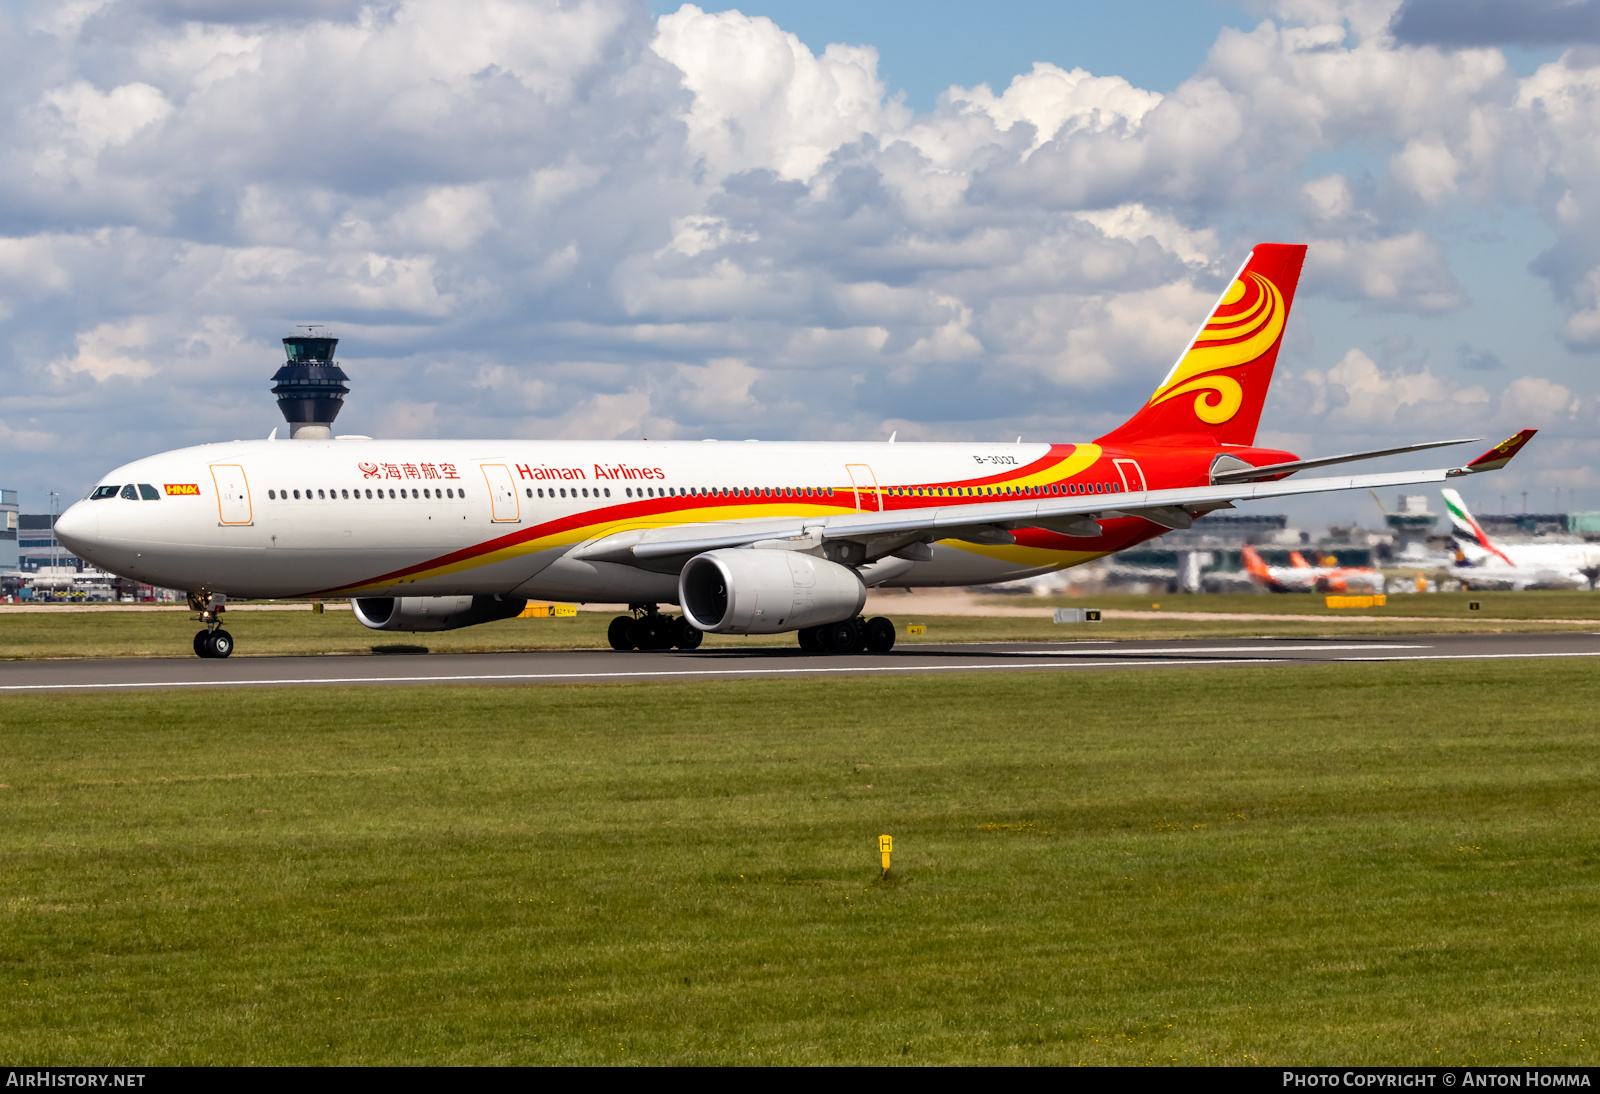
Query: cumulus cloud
(567, 218)
(1402, 272)
(1356, 395)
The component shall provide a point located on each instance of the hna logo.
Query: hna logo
(1245, 325)
(182, 488)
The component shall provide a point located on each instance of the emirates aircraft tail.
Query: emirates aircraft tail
(1467, 531)
(1220, 382)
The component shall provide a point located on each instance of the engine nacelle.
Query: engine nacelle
(746, 591)
(432, 613)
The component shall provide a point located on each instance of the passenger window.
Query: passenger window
(321, 496)
(130, 492)
(272, 495)
(608, 491)
(103, 492)
(148, 492)
(563, 491)
(345, 494)
(585, 491)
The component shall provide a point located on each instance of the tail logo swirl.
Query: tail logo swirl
(1246, 324)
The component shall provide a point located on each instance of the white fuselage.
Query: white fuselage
(1544, 564)
(421, 518)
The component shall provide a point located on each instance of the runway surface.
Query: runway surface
(578, 666)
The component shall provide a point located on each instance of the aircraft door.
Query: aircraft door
(1132, 476)
(502, 492)
(233, 493)
(866, 486)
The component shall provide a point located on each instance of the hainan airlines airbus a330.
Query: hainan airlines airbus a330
(746, 538)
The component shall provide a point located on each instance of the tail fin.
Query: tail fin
(1298, 561)
(1257, 569)
(1227, 366)
(1465, 529)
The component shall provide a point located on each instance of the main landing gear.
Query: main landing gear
(213, 641)
(647, 629)
(858, 635)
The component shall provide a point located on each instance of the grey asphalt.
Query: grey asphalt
(576, 666)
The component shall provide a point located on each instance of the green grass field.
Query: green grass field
(168, 632)
(1327, 864)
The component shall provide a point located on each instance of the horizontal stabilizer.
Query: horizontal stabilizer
(1247, 474)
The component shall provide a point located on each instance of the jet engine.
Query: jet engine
(432, 613)
(746, 591)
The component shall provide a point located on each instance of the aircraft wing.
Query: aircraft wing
(991, 522)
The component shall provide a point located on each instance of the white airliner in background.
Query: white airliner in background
(1484, 564)
(749, 538)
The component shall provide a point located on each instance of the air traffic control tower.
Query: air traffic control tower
(310, 387)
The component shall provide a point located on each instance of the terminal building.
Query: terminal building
(37, 546)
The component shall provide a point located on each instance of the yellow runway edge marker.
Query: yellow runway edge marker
(885, 845)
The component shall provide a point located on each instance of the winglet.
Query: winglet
(1500, 455)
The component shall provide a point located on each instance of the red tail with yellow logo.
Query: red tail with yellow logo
(1220, 383)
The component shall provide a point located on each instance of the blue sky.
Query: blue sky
(924, 46)
(601, 218)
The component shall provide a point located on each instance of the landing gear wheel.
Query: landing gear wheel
(811, 640)
(841, 637)
(685, 635)
(213, 644)
(618, 633)
(880, 634)
(651, 632)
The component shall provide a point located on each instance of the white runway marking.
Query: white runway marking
(1231, 649)
(1473, 656)
(513, 676)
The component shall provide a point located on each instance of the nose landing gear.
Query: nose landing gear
(213, 641)
(648, 629)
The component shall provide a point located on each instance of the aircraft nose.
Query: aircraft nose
(78, 529)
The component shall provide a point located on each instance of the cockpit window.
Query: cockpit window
(148, 492)
(103, 492)
(130, 492)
